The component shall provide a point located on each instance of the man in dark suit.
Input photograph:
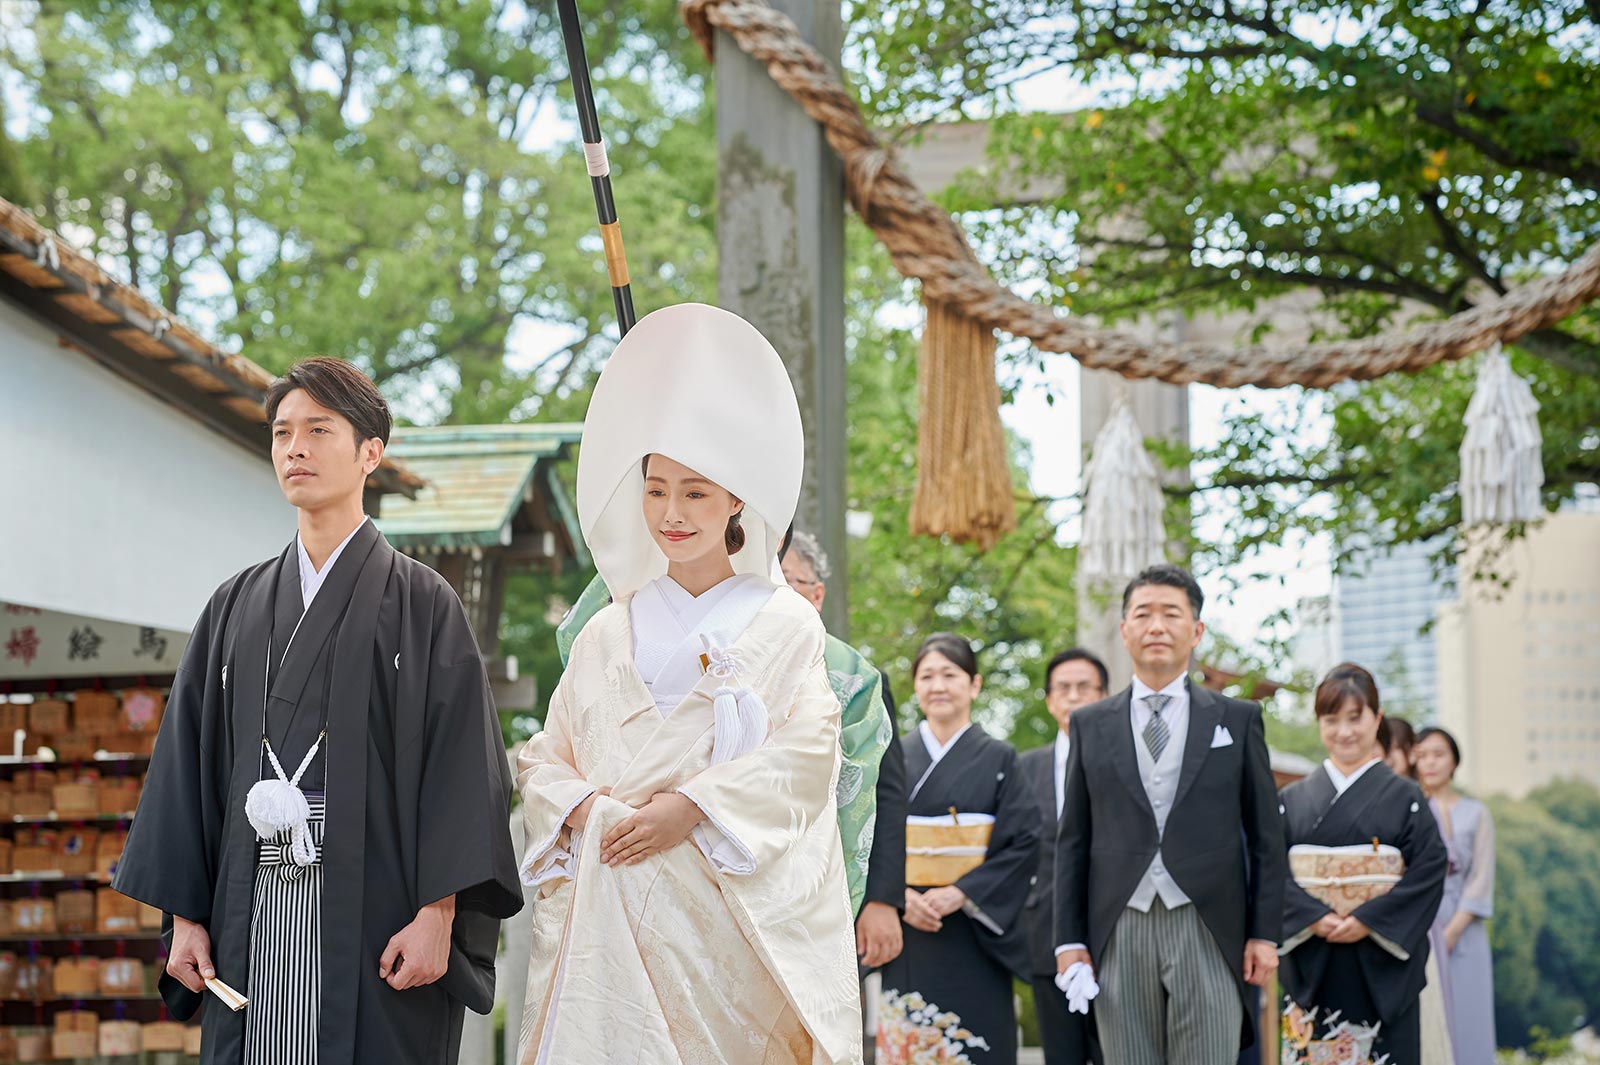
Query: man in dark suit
(1170, 800)
(1073, 679)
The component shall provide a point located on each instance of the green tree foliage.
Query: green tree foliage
(1397, 160)
(1016, 603)
(1547, 911)
(360, 178)
(535, 603)
(1571, 802)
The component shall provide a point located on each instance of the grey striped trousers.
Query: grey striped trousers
(1167, 995)
(285, 988)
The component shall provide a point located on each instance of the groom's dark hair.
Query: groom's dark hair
(1167, 574)
(340, 387)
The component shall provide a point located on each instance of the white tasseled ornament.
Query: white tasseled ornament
(1122, 503)
(1502, 469)
(277, 806)
(740, 718)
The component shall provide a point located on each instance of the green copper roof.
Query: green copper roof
(478, 477)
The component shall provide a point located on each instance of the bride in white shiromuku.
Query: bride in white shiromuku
(679, 803)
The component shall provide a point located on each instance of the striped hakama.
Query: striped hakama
(1167, 993)
(285, 986)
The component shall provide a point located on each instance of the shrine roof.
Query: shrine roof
(116, 325)
(489, 487)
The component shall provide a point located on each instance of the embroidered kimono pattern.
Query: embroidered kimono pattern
(736, 945)
(865, 733)
(914, 1031)
(1308, 1038)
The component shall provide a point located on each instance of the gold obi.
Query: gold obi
(1345, 877)
(942, 850)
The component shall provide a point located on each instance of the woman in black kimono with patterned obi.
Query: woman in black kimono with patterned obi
(949, 991)
(1360, 974)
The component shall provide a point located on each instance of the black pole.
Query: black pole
(599, 168)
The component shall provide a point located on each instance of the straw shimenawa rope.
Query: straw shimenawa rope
(963, 479)
(926, 244)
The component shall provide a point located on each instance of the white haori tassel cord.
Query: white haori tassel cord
(277, 806)
(1122, 503)
(1502, 467)
(740, 716)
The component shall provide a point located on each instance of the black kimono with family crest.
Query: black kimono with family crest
(416, 779)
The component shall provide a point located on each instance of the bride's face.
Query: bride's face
(687, 514)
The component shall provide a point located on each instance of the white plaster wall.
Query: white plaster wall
(113, 503)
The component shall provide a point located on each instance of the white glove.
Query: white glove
(1078, 984)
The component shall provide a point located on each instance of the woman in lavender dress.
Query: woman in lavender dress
(1468, 898)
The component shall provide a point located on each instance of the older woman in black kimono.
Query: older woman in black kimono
(950, 988)
(1358, 973)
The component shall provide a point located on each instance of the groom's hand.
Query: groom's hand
(419, 953)
(190, 960)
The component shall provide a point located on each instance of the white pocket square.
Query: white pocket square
(1221, 738)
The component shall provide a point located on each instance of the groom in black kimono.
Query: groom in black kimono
(358, 662)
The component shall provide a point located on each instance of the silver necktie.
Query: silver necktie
(1156, 732)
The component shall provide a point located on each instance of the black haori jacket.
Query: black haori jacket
(418, 794)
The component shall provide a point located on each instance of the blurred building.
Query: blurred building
(1384, 605)
(1519, 665)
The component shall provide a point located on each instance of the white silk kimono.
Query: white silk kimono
(736, 945)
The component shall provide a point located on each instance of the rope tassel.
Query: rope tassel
(276, 806)
(1502, 466)
(963, 480)
(926, 246)
(740, 718)
(741, 723)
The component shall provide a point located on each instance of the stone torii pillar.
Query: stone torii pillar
(780, 260)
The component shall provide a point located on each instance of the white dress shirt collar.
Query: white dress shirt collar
(1063, 748)
(937, 750)
(1341, 783)
(1177, 691)
(310, 577)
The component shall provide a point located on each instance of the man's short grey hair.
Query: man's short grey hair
(805, 546)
